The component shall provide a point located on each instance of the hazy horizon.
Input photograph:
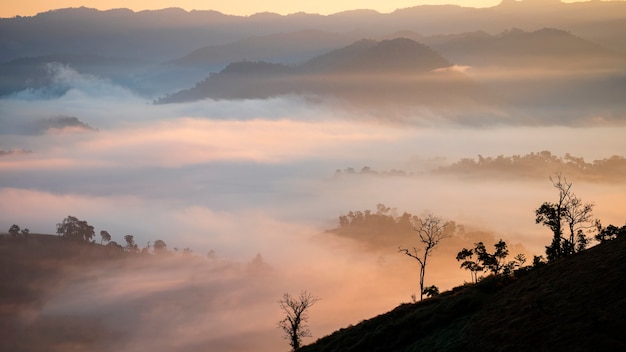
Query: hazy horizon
(255, 179)
(241, 8)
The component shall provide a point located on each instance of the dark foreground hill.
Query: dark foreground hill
(576, 304)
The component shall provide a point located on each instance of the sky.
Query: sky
(238, 7)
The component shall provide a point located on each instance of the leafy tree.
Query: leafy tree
(159, 247)
(14, 230)
(131, 246)
(430, 232)
(294, 324)
(610, 233)
(538, 261)
(25, 232)
(494, 262)
(431, 291)
(74, 229)
(105, 236)
(520, 259)
(570, 212)
(466, 255)
(115, 246)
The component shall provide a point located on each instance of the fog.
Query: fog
(254, 181)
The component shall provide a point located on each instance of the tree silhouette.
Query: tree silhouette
(159, 247)
(114, 246)
(74, 229)
(610, 233)
(494, 262)
(131, 246)
(14, 230)
(430, 232)
(294, 324)
(568, 211)
(466, 255)
(104, 236)
(431, 291)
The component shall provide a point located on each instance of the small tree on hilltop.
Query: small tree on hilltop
(14, 230)
(494, 262)
(105, 236)
(610, 232)
(466, 255)
(74, 229)
(430, 232)
(294, 324)
(131, 246)
(159, 247)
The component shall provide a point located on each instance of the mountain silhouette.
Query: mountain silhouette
(291, 47)
(366, 56)
(395, 70)
(544, 48)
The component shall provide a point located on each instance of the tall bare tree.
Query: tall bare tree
(430, 230)
(294, 325)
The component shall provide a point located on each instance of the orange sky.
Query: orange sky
(235, 7)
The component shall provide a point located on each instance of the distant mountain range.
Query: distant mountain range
(395, 70)
(515, 48)
(168, 34)
(292, 47)
(520, 53)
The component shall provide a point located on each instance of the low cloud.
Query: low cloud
(251, 178)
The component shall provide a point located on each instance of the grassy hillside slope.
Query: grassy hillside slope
(576, 304)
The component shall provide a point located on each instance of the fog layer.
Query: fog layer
(254, 182)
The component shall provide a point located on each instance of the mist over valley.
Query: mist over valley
(243, 141)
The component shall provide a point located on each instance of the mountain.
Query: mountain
(576, 304)
(518, 49)
(387, 56)
(367, 71)
(168, 34)
(292, 47)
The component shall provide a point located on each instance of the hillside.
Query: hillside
(33, 269)
(576, 304)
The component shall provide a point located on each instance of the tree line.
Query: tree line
(76, 230)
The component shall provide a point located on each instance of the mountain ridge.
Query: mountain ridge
(389, 66)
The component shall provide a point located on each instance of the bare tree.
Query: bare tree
(578, 217)
(430, 232)
(294, 325)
